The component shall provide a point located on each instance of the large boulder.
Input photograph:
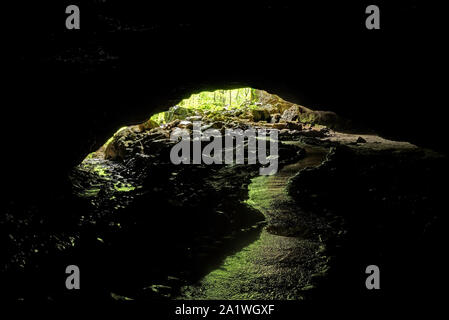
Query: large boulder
(291, 114)
(122, 145)
(128, 142)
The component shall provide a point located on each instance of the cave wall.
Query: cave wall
(68, 91)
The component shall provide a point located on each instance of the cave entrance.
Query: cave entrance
(198, 220)
(189, 217)
(224, 108)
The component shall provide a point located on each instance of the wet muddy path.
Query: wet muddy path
(286, 256)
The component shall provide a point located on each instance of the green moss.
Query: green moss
(159, 118)
(232, 280)
(101, 171)
(87, 193)
(120, 187)
(257, 197)
(113, 136)
(109, 141)
(270, 268)
(308, 117)
(251, 274)
(244, 275)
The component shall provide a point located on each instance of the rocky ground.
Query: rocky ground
(144, 228)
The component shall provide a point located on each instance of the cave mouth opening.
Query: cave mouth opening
(240, 107)
(199, 220)
(204, 213)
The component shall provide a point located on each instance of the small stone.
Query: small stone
(280, 126)
(194, 118)
(184, 124)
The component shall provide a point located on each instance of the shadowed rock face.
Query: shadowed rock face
(69, 92)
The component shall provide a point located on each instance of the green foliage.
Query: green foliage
(220, 99)
(159, 117)
(213, 102)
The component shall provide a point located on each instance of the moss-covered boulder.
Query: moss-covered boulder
(121, 145)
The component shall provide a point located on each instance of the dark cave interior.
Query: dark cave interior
(70, 92)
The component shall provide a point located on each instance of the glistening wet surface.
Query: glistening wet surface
(281, 263)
